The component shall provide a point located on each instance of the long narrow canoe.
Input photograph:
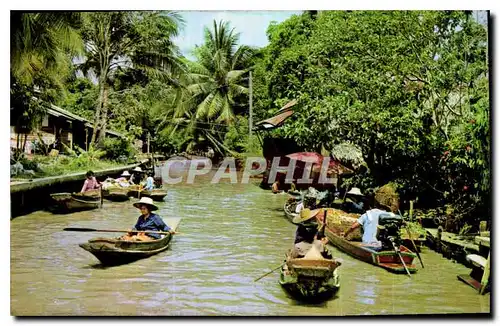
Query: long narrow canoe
(116, 194)
(155, 194)
(310, 279)
(289, 209)
(386, 258)
(113, 251)
(77, 201)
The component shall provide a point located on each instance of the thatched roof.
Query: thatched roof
(347, 153)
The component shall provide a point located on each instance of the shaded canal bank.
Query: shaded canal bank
(31, 195)
(231, 234)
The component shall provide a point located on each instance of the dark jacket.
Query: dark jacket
(152, 223)
(305, 233)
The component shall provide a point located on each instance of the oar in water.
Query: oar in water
(120, 231)
(412, 242)
(414, 246)
(258, 278)
(400, 258)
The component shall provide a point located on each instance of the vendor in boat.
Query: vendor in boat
(354, 201)
(90, 183)
(150, 182)
(276, 187)
(369, 222)
(123, 180)
(137, 175)
(148, 221)
(307, 234)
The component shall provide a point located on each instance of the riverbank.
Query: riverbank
(32, 195)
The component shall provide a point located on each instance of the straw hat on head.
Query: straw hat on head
(148, 202)
(305, 215)
(125, 174)
(355, 192)
(137, 169)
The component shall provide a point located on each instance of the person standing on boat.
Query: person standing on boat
(369, 222)
(306, 234)
(148, 221)
(90, 183)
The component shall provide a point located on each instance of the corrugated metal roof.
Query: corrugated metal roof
(59, 112)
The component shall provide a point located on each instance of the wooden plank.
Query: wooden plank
(486, 275)
(482, 241)
(477, 260)
(450, 238)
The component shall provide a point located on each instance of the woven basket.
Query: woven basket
(339, 221)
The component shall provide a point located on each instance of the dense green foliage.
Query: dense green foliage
(40, 50)
(408, 88)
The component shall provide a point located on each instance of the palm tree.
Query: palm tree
(215, 81)
(117, 41)
(213, 88)
(42, 46)
(40, 43)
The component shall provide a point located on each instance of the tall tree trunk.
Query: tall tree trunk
(24, 142)
(97, 114)
(104, 114)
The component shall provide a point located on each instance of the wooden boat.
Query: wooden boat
(77, 201)
(113, 251)
(289, 209)
(134, 191)
(116, 193)
(310, 279)
(387, 259)
(155, 194)
(479, 277)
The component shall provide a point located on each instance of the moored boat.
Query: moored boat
(385, 258)
(114, 193)
(310, 278)
(113, 251)
(135, 190)
(289, 209)
(77, 201)
(291, 204)
(155, 194)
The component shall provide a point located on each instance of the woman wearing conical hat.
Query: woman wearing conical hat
(307, 234)
(147, 221)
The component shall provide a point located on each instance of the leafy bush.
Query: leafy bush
(117, 147)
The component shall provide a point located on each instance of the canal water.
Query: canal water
(229, 235)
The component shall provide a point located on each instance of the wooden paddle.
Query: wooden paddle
(400, 258)
(413, 243)
(100, 193)
(120, 231)
(258, 278)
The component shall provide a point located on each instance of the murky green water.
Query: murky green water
(231, 234)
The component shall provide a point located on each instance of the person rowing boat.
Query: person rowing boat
(147, 221)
